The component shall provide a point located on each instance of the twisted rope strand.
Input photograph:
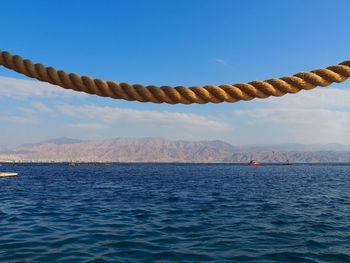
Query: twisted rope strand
(180, 94)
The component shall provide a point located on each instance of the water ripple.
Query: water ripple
(170, 213)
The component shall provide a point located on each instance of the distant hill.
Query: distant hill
(57, 141)
(297, 147)
(152, 149)
(157, 149)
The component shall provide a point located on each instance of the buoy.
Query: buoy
(8, 174)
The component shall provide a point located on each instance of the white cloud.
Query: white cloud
(318, 116)
(219, 61)
(316, 98)
(163, 119)
(5, 117)
(26, 110)
(301, 125)
(297, 116)
(20, 89)
(86, 126)
(41, 107)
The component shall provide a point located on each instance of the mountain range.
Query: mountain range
(157, 149)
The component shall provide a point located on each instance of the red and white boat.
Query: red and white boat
(253, 163)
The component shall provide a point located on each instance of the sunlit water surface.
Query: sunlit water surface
(175, 213)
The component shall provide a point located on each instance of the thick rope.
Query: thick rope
(180, 94)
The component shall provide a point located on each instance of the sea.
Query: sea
(175, 213)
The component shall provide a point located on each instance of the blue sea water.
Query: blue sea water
(175, 213)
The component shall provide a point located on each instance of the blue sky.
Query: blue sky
(193, 42)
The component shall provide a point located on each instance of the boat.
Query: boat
(288, 163)
(72, 163)
(252, 162)
(8, 174)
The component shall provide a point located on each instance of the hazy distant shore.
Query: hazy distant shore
(161, 150)
(19, 163)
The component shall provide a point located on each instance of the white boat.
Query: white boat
(8, 174)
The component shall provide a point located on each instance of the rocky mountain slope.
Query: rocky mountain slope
(154, 149)
(122, 150)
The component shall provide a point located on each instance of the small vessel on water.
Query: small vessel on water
(72, 163)
(288, 163)
(252, 162)
(8, 174)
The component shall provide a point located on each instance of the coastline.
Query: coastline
(59, 163)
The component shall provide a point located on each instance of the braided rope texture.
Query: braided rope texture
(180, 94)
